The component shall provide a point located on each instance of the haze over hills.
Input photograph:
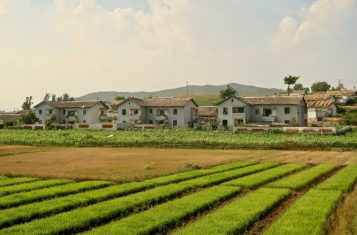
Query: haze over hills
(194, 90)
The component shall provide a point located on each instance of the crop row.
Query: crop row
(309, 215)
(12, 181)
(46, 193)
(159, 217)
(178, 138)
(32, 186)
(81, 218)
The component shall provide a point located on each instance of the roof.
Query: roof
(336, 93)
(234, 97)
(207, 111)
(9, 117)
(115, 103)
(319, 103)
(73, 104)
(274, 100)
(161, 102)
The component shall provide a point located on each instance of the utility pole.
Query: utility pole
(187, 88)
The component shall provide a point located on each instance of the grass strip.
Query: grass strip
(83, 218)
(32, 186)
(265, 176)
(41, 194)
(343, 180)
(158, 218)
(309, 215)
(3, 177)
(303, 178)
(13, 181)
(236, 216)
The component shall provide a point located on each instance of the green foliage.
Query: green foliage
(228, 92)
(14, 181)
(46, 193)
(32, 186)
(27, 104)
(303, 178)
(119, 98)
(158, 218)
(28, 118)
(193, 166)
(309, 215)
(290, 80)
(51, 123)
(265, 176)
(320, 86)
(235, 217)
(343, 180)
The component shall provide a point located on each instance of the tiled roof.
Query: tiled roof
(115, 103)
(162, 102)
(74, 104)
(319, 103)
(207, 111)
(336, 93)
(274, 100)
(9, 117)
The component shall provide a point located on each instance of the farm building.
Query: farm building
(320, 106)
(9, 118)
(341, 97)
(169, 112)
(71, 112)
(206, 117)
(238, 111)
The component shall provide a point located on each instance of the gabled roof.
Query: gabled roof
(73, 104)
(274, 100)
(233, 97)
(320, 103)
(9, 117)
(161, 102)
(207, 111)
(336, 93)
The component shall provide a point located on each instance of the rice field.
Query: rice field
(226, 199)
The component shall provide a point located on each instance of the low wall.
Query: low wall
(96, 126)
(34, 127)
(319, 130)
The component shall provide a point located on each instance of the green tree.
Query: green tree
(298, 86)
(228, 92)
(290, 80)
(320, 86)
(28, 117)
(27, 104)
(340, 86)
(119, 98)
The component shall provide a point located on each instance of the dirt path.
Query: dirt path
(127, 164)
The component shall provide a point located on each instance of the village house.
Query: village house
(239, 111)
(154, 112)
(320, 106)
(341, 97)
(9, 117)
(71, 112)
(206, 117)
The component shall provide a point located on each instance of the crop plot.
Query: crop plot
(226, 199)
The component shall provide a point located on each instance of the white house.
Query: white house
(169, 112)
(320, 106)
(238, 111)
(341, 96)
(71, 112)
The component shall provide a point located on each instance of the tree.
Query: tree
(28, 117)
(27, 104)
(340, 86)
(228, 92)
(47, 97)
(290, 80)
(65, 97)
(320, 86)
(53, 99)
(298, 86)
(119, 98)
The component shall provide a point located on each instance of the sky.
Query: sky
(83, 46)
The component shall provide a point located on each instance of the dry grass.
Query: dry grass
(344, 221)
(128, 164)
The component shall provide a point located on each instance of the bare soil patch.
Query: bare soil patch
(128, 164)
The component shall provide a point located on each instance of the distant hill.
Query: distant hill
(206, 93)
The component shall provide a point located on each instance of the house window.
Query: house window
(238, 122)
(267, 112)
(151, 122)
(135, 112)
(174, 122)
(224, 123)
(174, 112)
(160, 112)
(287, 110)
(102, 112)
(235, 110)
(85, 112)
(40, 112)
(238, 110)
(225, 110)
(241, 110)
(287, 122)
(123, 112)
(64, 112)
(84, 121)
(50, 111)
(150, 110)
(257, 111)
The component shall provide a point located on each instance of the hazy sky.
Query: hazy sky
(81, 46)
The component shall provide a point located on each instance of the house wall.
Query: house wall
(45, 116)
(229, 104)
(140, 118)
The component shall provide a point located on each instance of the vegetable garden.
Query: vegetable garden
(226, 199)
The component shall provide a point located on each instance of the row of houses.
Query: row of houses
(230, 113)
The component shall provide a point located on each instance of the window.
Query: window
(151, 122)
(225, 110)
(150, 110)
(50, 111)
(287, 122)
(102, 112)
(123, 112)
(238, 110)
(241, 110)
(257, 111)
(174, 112)
(238, 122)
(64, 112)
(84, 121)
(135, 112)
(160, 112)
(40, 112)
(287, 110)
(174, 122)
(267, 112)
(224, 123)
(235, 110)
(84, 112)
